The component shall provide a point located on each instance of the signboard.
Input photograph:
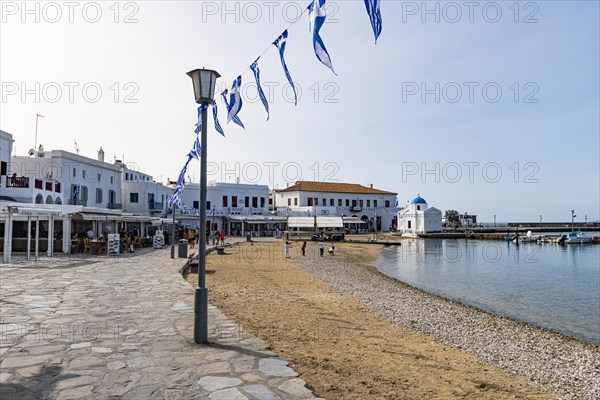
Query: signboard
(114, 243)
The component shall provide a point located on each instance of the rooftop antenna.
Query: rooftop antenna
(76, 148)
(36, 128)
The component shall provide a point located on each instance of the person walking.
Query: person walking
(321, 247)
(222, 238)
(303, 248)
(287, 249)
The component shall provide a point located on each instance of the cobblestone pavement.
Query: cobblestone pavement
(112, 328)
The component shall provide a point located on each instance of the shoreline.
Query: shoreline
(549, 359)
(341, 347)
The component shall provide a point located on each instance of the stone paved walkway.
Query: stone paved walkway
(73, 328)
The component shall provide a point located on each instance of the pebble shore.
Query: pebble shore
(551, 361)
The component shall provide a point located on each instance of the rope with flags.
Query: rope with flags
(317, 18)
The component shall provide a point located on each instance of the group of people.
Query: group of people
(330, 251)
(219, 238)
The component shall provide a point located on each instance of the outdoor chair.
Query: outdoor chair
(87, 246)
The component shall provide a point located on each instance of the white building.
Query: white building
(61, 177)
(418, 218)
(6, 145)
(140, 194)
(375, 208)
(234, 208)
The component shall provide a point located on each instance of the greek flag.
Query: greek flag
(77, 190)
(235, 119)
(199, 124)
(280, 44)
(216, 118)
(396, 205)
(263, 98)
(318, 16)
(235, 99)
(374, 12)
(195, 153)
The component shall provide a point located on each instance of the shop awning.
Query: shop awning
(301, 222)
(353, 220)
(330, 222)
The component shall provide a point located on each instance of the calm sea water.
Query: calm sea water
(556, 287)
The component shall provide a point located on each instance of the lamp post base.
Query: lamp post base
(201, 316)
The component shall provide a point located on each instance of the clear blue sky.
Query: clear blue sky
(543, 138)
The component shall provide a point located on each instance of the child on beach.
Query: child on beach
(331, 250)
(303, 248)
(287, 249)
(321, 247)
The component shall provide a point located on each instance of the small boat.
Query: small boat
(577, 238)
(529, 238)
(509, 238)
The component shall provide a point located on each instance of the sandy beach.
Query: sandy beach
(353, 333)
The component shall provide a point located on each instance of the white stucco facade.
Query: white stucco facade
(61, 177)
(6, 146)
(140, 194)
(419, 218)
(339, 199)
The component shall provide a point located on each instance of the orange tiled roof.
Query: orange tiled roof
(305, 186)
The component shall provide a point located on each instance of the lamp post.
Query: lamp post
(204, 81)
(540, 220)
(494, 220)
(573, 220)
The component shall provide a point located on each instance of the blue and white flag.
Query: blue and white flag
(235, 99)
(263, 98)
(195, 153)
(280, 44)
(374, 12)
(317, 15)
(77, 190)
(235, 119)
(396, 203)
(199, 123)
(216, 118)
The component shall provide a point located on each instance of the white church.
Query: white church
(418, 218)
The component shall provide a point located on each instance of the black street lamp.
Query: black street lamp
(204, 81)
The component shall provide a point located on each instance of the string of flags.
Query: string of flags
(317, 18)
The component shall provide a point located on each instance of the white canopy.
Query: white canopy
(309, 222)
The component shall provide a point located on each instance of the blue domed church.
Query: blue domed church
(418, 218)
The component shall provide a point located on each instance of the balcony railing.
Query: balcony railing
(154, 206)
(115, 206)
(77, 202)
(17, 182)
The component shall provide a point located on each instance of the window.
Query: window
(150, 197)
(339, 202)
(361, 204)
(233, 201)
(347, 203)
(196, 204)
(353, 203)
(74, 172)
(49, 186)
(208, 205)
(225, 203)
(387, 203)
(310, 201)
(99, 177)
(84, 193)
(111, 180)
(255, 202)
(98, 196)
(247, 201)
(289, 202)
(368, 203)
(3, 167)
(38, 183)
(418, 208)
(316, 201)
(57, 187)
(295, 201)
(324, 202)
(83, 173)
(331, 202)
(375, 203)
(133, 197)
(262, 202)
